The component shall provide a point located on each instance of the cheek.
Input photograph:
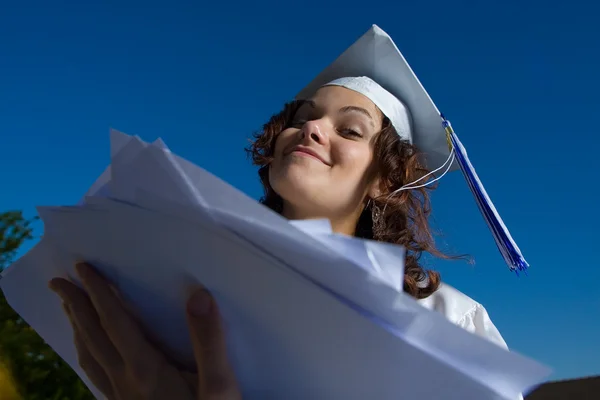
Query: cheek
(277, 167)
(353, 158)
(282, 141)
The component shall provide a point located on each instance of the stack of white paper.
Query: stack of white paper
(309, 314)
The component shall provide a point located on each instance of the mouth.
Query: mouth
(302, 151)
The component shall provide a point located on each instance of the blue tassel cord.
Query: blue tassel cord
(507, 246)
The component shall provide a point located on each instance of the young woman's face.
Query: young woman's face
(322, 163)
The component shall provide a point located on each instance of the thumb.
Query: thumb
(215, 376)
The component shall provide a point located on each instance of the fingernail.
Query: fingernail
(200, 303)
(52, 285)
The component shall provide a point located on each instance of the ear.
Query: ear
(374, 189)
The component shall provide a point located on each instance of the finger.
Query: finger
(137, 353)
(88, 362)
(83, 316)
(216, 378)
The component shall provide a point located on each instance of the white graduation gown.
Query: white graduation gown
(465, 312)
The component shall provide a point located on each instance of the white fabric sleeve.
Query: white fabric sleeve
(477, 321)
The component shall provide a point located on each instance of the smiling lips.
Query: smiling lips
(304, 151)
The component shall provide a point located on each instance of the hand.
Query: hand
(123, 364)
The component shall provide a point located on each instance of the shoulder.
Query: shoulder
(463, 311)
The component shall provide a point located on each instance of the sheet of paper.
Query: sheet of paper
(313, 226)
(118, 141)
(291, 339)
(382, 259)
(450, 349)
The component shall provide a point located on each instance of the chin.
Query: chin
(298, 187)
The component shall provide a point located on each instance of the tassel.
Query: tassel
(507, 246)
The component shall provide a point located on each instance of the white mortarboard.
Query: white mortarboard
(374, 67)
(376, 56)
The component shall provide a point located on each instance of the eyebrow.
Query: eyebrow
(346, 109)
(359, 110)
(311, 103)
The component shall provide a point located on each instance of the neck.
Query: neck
(345, 225)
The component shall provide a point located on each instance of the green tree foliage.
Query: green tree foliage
(39, 373)
(8, 389)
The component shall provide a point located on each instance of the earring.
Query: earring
(376, 216)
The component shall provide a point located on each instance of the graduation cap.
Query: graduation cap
(374, 67)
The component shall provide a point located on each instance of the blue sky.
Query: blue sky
(518, 80)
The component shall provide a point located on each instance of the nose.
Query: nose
(314, 131)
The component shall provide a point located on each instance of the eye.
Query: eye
(297, 122)
(351, 132)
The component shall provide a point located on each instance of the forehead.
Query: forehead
(337, 97)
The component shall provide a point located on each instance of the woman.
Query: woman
(356, 148)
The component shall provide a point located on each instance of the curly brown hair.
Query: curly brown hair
(403, 217)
